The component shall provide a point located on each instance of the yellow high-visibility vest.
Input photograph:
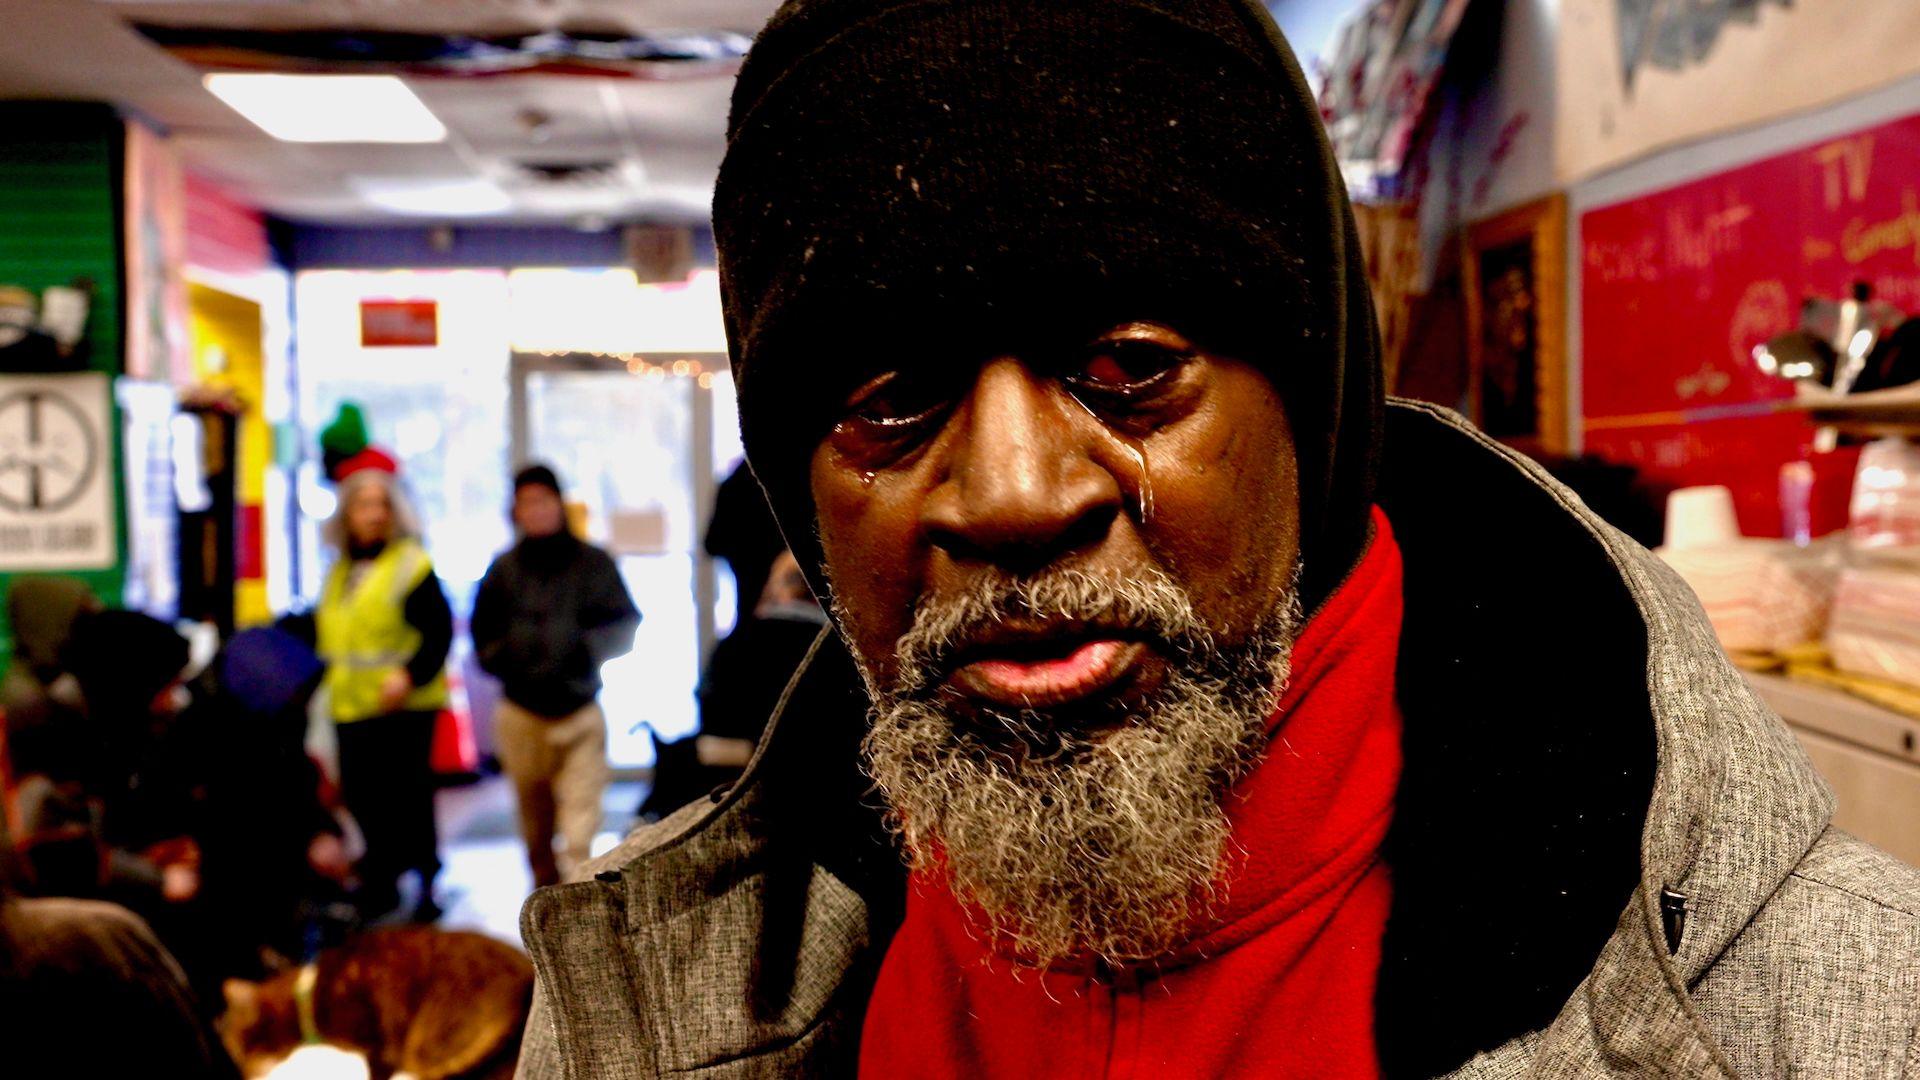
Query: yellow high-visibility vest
(364, 634)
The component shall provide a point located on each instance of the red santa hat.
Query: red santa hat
(371, 458)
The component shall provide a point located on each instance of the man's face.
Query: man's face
(1068, 582)
(538, 511)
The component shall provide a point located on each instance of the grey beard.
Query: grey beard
(1106, 841)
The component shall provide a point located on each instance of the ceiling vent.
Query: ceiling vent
(570, 174)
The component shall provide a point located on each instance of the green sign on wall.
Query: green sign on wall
(60, 224)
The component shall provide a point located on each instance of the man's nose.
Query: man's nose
(1021, 489)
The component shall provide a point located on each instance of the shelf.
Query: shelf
(1867, 755)
(1880, 412)
(1874, 429)
(1840, 715)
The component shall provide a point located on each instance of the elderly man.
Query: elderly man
(1226, 720)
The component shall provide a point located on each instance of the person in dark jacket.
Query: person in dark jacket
(71, 969)
(750, 668)
(743, 534)
(739, 690)
(549, 612)
(272, 852)
(109, 802)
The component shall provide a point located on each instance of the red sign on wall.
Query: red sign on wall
(1677, 288)
(399, 322)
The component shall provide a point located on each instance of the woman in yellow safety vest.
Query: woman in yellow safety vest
(383, 627)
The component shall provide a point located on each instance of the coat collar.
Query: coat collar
(1604, 696)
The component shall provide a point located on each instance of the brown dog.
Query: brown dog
(433, 1004)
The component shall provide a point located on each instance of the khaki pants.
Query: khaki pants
(559, 773)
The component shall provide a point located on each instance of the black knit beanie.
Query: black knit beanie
(537, 476)
(937, 181)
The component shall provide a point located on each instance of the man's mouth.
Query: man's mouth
(1046, 670)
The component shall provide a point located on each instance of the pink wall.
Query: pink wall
(224, 234)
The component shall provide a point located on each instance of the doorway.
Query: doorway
(639, 442)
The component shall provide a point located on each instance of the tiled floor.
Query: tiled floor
(485, 878)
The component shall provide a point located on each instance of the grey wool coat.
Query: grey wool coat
(1609, 858)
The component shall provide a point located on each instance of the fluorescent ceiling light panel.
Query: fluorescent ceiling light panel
(433, 198)
(330, 108)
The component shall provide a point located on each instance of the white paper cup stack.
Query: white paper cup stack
(1700, 517)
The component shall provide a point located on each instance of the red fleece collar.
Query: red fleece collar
(1314, 812)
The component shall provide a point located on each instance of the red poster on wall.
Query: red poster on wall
(1677, 288)
(399, 323)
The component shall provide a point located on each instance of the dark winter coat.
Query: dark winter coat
(548, 614)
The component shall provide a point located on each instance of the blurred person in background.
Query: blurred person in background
(72, 968)
(383, 627)
(274, 862)
(108, 798)
(549, 612)
(743, 534)
(37, 690)
(102, 808)
(740, 688)
(750, 668)
(87, 991)
(129, 758)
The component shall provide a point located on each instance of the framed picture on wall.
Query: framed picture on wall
(1514, 279)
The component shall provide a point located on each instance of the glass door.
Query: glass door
(633, 441)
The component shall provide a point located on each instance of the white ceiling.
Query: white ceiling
(664, 137)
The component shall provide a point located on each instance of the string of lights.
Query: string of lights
(644, 367)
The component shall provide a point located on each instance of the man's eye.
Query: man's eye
(1125, 367)
(894, 399)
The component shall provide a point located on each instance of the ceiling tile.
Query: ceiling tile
(675, 128)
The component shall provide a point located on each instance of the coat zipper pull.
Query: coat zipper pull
(1673, 917)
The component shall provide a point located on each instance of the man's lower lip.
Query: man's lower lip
(1036, 684)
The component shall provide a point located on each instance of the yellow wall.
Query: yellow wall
(221, 323)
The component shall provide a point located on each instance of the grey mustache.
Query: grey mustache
(1148, 605)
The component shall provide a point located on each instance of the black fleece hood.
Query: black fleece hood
(938, 181)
